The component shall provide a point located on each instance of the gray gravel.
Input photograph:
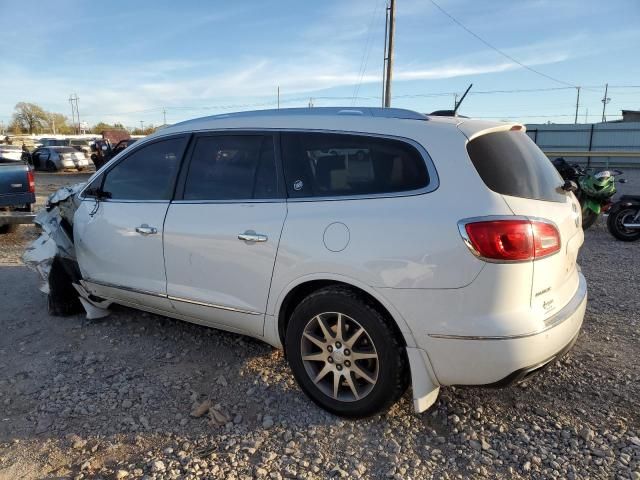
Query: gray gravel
(136, 395)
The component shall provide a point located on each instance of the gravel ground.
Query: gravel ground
(135, 395)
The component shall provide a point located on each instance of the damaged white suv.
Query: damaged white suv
(379, 247)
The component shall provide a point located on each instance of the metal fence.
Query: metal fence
(609, 144)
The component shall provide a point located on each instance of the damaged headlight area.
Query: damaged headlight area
(53, 256)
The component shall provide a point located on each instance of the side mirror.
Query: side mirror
(570, 186)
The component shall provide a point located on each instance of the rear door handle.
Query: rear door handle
(145, 230)
(251, 236)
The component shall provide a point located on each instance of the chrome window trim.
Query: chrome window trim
(434, 179)
(248, 200)
(168, 297)
(432, 185)
(553, 321)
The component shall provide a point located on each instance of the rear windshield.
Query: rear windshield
(65, 149)
(511, 164)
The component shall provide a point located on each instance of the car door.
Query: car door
(40, 158)
(222, 231)
(119, 224)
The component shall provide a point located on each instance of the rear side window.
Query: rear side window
(328, 164)
(149, 173)
(232, 167)
(511, 164)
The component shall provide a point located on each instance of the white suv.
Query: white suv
(379, 247)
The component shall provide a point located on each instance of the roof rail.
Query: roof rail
(355, 111)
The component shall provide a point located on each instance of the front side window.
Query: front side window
(327, 164)
(232, 167)
(149, 173)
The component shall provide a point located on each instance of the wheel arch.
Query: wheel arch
(296, 291)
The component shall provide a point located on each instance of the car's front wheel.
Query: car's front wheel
(345, 353)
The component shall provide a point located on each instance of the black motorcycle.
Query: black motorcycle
(624, 218)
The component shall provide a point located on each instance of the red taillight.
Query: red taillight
(512, 240)
(32, 181)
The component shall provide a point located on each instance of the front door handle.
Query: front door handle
(251, 236)
(145, 230)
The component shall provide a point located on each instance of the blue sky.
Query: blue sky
(129, 60)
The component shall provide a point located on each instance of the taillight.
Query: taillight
(511, 240)
(32, 181)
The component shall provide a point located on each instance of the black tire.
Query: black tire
(63, 299)
(50, 166)
(392, 363)
(614, 224)
(589, 217)
(4, 229)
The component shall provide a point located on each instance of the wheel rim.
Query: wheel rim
(339, 356)
(625, 216)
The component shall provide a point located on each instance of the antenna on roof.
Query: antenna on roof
(455, 110)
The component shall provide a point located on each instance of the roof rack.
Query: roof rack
(352, 111)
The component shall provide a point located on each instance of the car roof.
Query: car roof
(375, 120)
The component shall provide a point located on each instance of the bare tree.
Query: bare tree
(30, 116)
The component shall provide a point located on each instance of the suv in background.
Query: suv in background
(379, 247)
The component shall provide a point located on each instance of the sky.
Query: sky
(129, 61)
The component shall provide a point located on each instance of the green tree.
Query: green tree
(30, 116)
(60, 124)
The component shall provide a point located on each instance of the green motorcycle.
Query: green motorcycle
(595, 193)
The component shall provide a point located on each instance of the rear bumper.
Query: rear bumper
(15, 218)
(496, 360)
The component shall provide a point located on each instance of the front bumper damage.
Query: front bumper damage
(53, 255)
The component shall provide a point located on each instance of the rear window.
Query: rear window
(65, 149)
(511, 164)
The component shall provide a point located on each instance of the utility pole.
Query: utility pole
(586, 116)
(73, 111)
(455, 100)
(310, 102)
(391, 9)
(164, 116)
(141, 127)
(605, 100)
(577, 105)
(78, 114)
(384, 54)
(278, 97)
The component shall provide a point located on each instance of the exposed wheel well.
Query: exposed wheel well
(300, 292)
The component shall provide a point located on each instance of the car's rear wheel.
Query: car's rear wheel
(345, 354)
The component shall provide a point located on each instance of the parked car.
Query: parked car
(52, 142)
(58, 158)
(378, 247)
(81, 146)
(10, 152)
(17, 194)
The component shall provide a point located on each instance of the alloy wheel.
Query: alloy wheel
(339, 356)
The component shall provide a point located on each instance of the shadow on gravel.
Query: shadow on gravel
(110, 391)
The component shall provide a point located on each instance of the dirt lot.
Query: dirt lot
(113, 398)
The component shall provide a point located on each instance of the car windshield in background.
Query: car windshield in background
(64, 149)
(511, 164)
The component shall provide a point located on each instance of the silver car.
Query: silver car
(58, 158)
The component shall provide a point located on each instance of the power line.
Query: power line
(504, 54)
(365, 54)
